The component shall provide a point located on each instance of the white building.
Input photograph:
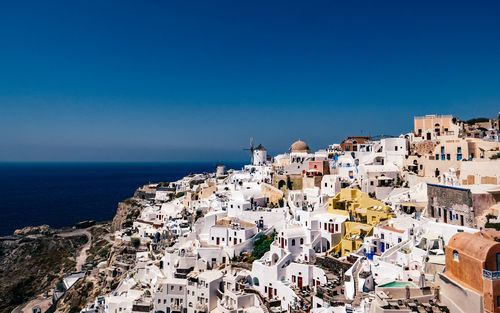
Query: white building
(231, 231)
(259, 155)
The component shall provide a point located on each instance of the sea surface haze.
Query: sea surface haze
(62, 194)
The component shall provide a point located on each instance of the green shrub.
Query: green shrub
(75, 309)
(477, 120)
(495, 156)
(492, 225)
(261, 246)
(136, 242)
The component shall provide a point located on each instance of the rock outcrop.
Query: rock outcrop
(34, 230)
(126, 212)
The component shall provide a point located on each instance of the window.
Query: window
(255, 281)
(448, 157)
(382, 236)
(456, 257)
(399, 239)
(293, 242)
(395, 148)
(301, 241)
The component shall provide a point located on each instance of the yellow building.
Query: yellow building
(359, 207)
(353, 238)
(363, 212)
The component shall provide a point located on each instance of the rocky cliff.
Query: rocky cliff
(126, 213)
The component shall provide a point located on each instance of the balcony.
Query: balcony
(492, 275)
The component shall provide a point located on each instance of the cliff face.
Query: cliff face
(126, 212)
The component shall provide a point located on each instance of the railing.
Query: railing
(432, 116)
(491, 274)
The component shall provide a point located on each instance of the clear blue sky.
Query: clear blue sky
(193, 80)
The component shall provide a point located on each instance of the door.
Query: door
(282, 243)
(382, 247)
(270, 291)
(218, 241)
(235, 241)
(299, 281)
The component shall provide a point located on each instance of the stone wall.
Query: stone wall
(450, 205)
(333, 265)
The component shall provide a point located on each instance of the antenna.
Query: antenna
(251, 149)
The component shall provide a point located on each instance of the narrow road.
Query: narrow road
(43, 303)
(82, 256)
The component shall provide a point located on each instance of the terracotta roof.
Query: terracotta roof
(474, 245)
(228, 221)
(391, 228)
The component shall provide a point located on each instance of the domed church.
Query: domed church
(299, 147)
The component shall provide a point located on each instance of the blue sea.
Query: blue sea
(62, 194)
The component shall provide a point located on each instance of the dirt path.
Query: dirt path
(82, 256)
(43, 303)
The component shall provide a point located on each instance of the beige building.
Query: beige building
(432, 158)
(273, 195)
(486, 172)
(429, 127)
